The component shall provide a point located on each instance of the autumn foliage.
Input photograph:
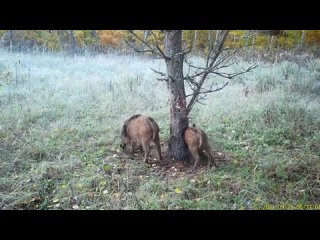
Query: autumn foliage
(197, 40)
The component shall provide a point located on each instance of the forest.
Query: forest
(252, 95)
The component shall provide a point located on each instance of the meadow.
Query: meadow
(61, 118)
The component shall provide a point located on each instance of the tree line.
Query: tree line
(199, 41)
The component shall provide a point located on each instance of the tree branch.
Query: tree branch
(150, 49)
(161, 73)
(138, 50)
(210, 91)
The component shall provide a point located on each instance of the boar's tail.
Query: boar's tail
(199, 136)
(154, 126)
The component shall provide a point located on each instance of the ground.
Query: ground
(61, 120)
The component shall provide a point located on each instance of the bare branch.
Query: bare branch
(150, 48)
(158, 72)
(198, 101)
(138, 50)
(162, 79)
(232, 75)
(217, 46)
(211, 90)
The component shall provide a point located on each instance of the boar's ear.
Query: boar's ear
(124, 129)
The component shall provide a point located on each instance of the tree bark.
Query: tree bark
(194, 46)
(145, 36)
(302, 38)
(178, 105)
(94, 34)
(73, 41)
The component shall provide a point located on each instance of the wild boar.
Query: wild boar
(198, 144)
(141, 131)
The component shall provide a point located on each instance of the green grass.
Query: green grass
(61, 117)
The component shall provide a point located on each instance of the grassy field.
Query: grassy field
(61, 117)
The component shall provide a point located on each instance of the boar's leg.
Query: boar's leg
(157, 142)
(131, 147)
(146, 150)
(196, 158)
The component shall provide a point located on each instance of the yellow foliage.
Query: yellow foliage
(111, 37)
(79, 36)
(312, 37)
(261, 41)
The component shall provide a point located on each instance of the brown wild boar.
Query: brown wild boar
(140, 131)
(197, 142)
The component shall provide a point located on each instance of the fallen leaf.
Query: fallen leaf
(75, 207)
(90, 194)
(162, 196)
(57, 205)
(193, 180)
(55, 200)
(178, 190)
(105, 192)
(198, 199)
(102, 184)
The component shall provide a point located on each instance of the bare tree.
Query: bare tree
(146, 33)
(174, 57)
(302, 42)
(94, 34)
(194, 47)
(67, 41)
(74, 44)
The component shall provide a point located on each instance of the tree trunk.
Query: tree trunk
(94, 34)
(302, 38)
(62, 39)
(145, 36)
(178, 106)
(194, 46)
(209, 38)
(73, 41)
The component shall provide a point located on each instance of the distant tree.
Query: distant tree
(68, 41)
(194, 45)
(73, 42)
(302, 38)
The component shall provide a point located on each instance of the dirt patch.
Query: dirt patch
(176, 169)
(170, 168)
(166, 168)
